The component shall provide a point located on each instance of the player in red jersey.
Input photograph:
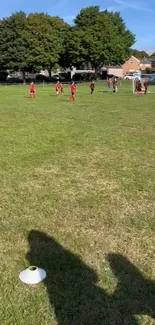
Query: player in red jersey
(108, 84)
(92, 87)
(32, 90)
(73, 90)
(145, 87)
(57, 88)
(136, 85)
(61, 88)
(139, 88)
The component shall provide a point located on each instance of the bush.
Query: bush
(148, 70)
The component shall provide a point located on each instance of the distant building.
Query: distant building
(145, 64)
(153, 64)
(116, 71)
(131, 65)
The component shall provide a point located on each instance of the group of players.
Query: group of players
(59, 89)
(139, 87)
(111, 83)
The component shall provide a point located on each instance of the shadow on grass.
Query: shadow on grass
(73, 291)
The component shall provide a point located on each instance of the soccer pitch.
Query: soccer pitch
(77, 198)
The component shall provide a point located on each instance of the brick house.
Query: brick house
(131, 65)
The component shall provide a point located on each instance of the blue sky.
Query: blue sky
(139, 15)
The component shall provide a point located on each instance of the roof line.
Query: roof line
(135, 58)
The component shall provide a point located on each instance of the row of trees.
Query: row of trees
(35, 41)
(142, 54)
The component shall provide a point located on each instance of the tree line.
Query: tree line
(39, 41)
(142, 54)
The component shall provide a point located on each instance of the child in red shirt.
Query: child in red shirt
(32, 90)
(61, 87)
(92, 87)
(57, 87)
(145, 87)
(139, 88)
(108, 84)
(73, 90)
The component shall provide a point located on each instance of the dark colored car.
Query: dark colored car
(57, 77)
(13, 79)
(152, 80)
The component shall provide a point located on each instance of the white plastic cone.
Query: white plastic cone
(32, 275)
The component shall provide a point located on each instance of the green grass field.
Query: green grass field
(77, 197)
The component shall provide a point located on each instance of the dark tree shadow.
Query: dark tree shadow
(73, 291)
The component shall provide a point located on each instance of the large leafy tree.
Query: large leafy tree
(31, 42)
(40, 41)
(87, 17)
(103, 38)
(12, 45)
(44, 37)
(73, 52)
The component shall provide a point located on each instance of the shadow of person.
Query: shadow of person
(73, 291)
(134, 292)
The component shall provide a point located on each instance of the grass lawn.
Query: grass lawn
(77, 197)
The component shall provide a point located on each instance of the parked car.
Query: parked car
(11, 78)
(57, 77)
(152, 80)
